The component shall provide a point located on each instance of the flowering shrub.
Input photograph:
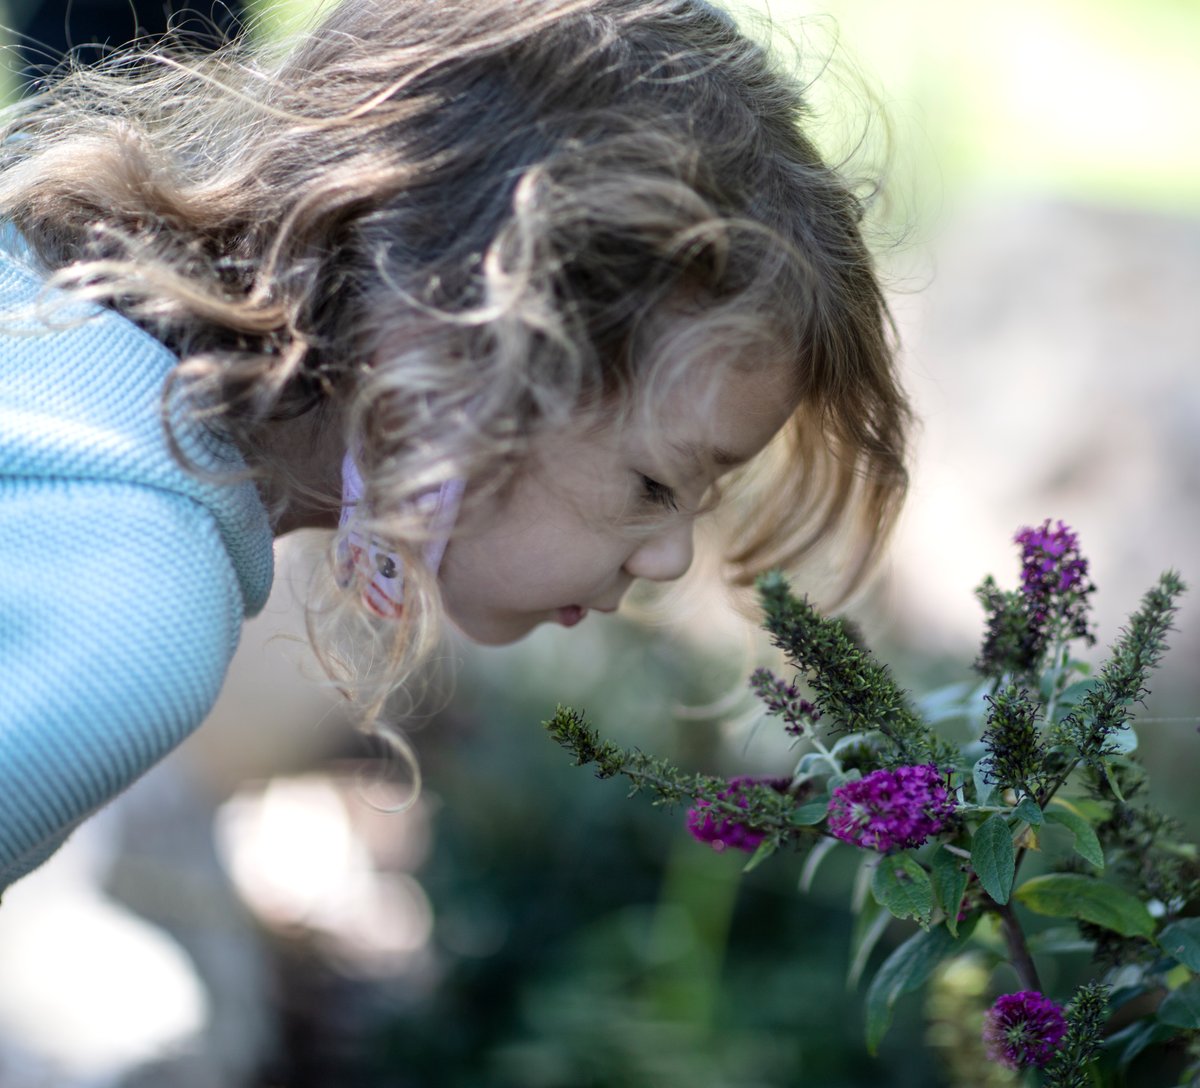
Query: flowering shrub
(1039, 809)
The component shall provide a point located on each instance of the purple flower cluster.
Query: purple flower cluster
(1051, 606)
(1023, 1029)
(891, 810)
(1054, 576)
(720, 832)
(784, 700)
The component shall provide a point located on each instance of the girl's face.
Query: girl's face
(597, 509)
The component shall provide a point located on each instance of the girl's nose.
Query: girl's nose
(665, 556)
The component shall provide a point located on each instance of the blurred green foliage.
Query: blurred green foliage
(1092, 99)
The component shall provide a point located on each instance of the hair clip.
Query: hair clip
(368, 557)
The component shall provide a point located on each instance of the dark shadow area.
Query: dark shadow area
(50, 31)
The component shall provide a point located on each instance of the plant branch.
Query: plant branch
(1018, 949)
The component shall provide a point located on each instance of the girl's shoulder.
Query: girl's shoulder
(81, 398)
(120, 612)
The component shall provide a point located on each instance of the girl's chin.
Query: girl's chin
(498, 630)
(502, 630)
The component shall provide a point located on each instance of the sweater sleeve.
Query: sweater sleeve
(119, 613)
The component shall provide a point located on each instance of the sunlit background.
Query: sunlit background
(252, 914)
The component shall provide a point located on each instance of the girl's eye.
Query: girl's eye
(659, 494)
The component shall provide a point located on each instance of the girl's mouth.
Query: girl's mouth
(571, 615)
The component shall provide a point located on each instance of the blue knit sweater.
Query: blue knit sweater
(124, 580)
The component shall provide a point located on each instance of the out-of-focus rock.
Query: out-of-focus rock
(1055, 363)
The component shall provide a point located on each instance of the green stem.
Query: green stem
(1060, 661)
(830, 758)
(1044, 795)
(693, 918)
(668, 789)
(1018, 949)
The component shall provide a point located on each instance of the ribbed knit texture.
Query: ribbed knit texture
(124, 579)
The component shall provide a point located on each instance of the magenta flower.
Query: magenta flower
(1054, 576)
(784, 701)
(720, 832)
(891, 810)
(1023, 1029)
(1050, 560)
(1051, 605)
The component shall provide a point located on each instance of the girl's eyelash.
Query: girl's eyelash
(659, 494)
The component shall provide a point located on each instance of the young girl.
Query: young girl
(501, 292)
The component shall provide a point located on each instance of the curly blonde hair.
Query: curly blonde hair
(448, 225)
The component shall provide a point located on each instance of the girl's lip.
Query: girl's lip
(571, 615)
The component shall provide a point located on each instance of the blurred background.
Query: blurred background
(250, 914)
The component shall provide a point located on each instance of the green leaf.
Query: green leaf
(1132, 1040)
(1074, 895)
(949, 702)
(993, 858)
(1122, 741)
(949, 875)
(1087, 845)
(1028, 811)
(1095, 812)
(810, 814)
(1058, 940)
(1073, 695)
(983, 788)
(811, 863)
(901, 884)
(1182, 940)
(860, 890)
(1181, 1009)
(904, 971)
(849, 741)
(812, 764)
(1113, 784)
(765, 849)
(1186, 850)
(869, 925)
